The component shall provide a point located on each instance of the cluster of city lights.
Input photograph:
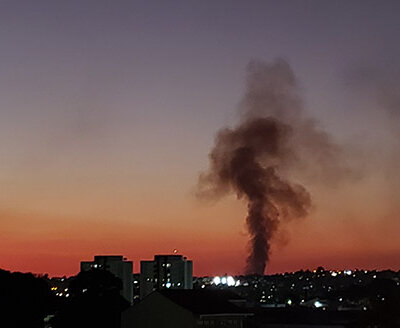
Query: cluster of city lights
(62, 293)
(226, 280)
(345, 272)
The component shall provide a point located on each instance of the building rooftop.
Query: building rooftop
(203, 302)
(109, 257)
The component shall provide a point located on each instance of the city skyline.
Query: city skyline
(108, 112)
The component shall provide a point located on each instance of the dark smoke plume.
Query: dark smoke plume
(255, 159)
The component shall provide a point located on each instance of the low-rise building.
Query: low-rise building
(186, 308)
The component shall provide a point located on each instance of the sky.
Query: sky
(109, 109)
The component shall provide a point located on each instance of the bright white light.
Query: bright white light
(348, 272)
(203, 286)
(318, 304)
(66, 295)
(168, 285)
(217, 280)
(289, 302)
(237, 283)
(230, 281)
(223, 280)
(334, 274)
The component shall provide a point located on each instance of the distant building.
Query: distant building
(187, 308)
(165, 272)
(136, 287)
(117, 265)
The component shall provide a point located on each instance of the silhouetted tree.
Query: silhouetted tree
(95, 301)
(24, 299)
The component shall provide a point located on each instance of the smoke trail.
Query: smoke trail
(247, 160)
(254, 159)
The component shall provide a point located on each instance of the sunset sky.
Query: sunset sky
(109, 109)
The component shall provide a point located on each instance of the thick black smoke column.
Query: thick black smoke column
(247, 160)
(252, 159)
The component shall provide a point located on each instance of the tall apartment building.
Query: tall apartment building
(165, 272)
(117, 265)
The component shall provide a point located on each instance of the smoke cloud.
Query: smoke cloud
(258, 158)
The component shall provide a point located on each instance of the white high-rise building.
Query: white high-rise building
(117, 265)
(165, 271)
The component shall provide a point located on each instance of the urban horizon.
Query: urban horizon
(136, 268)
